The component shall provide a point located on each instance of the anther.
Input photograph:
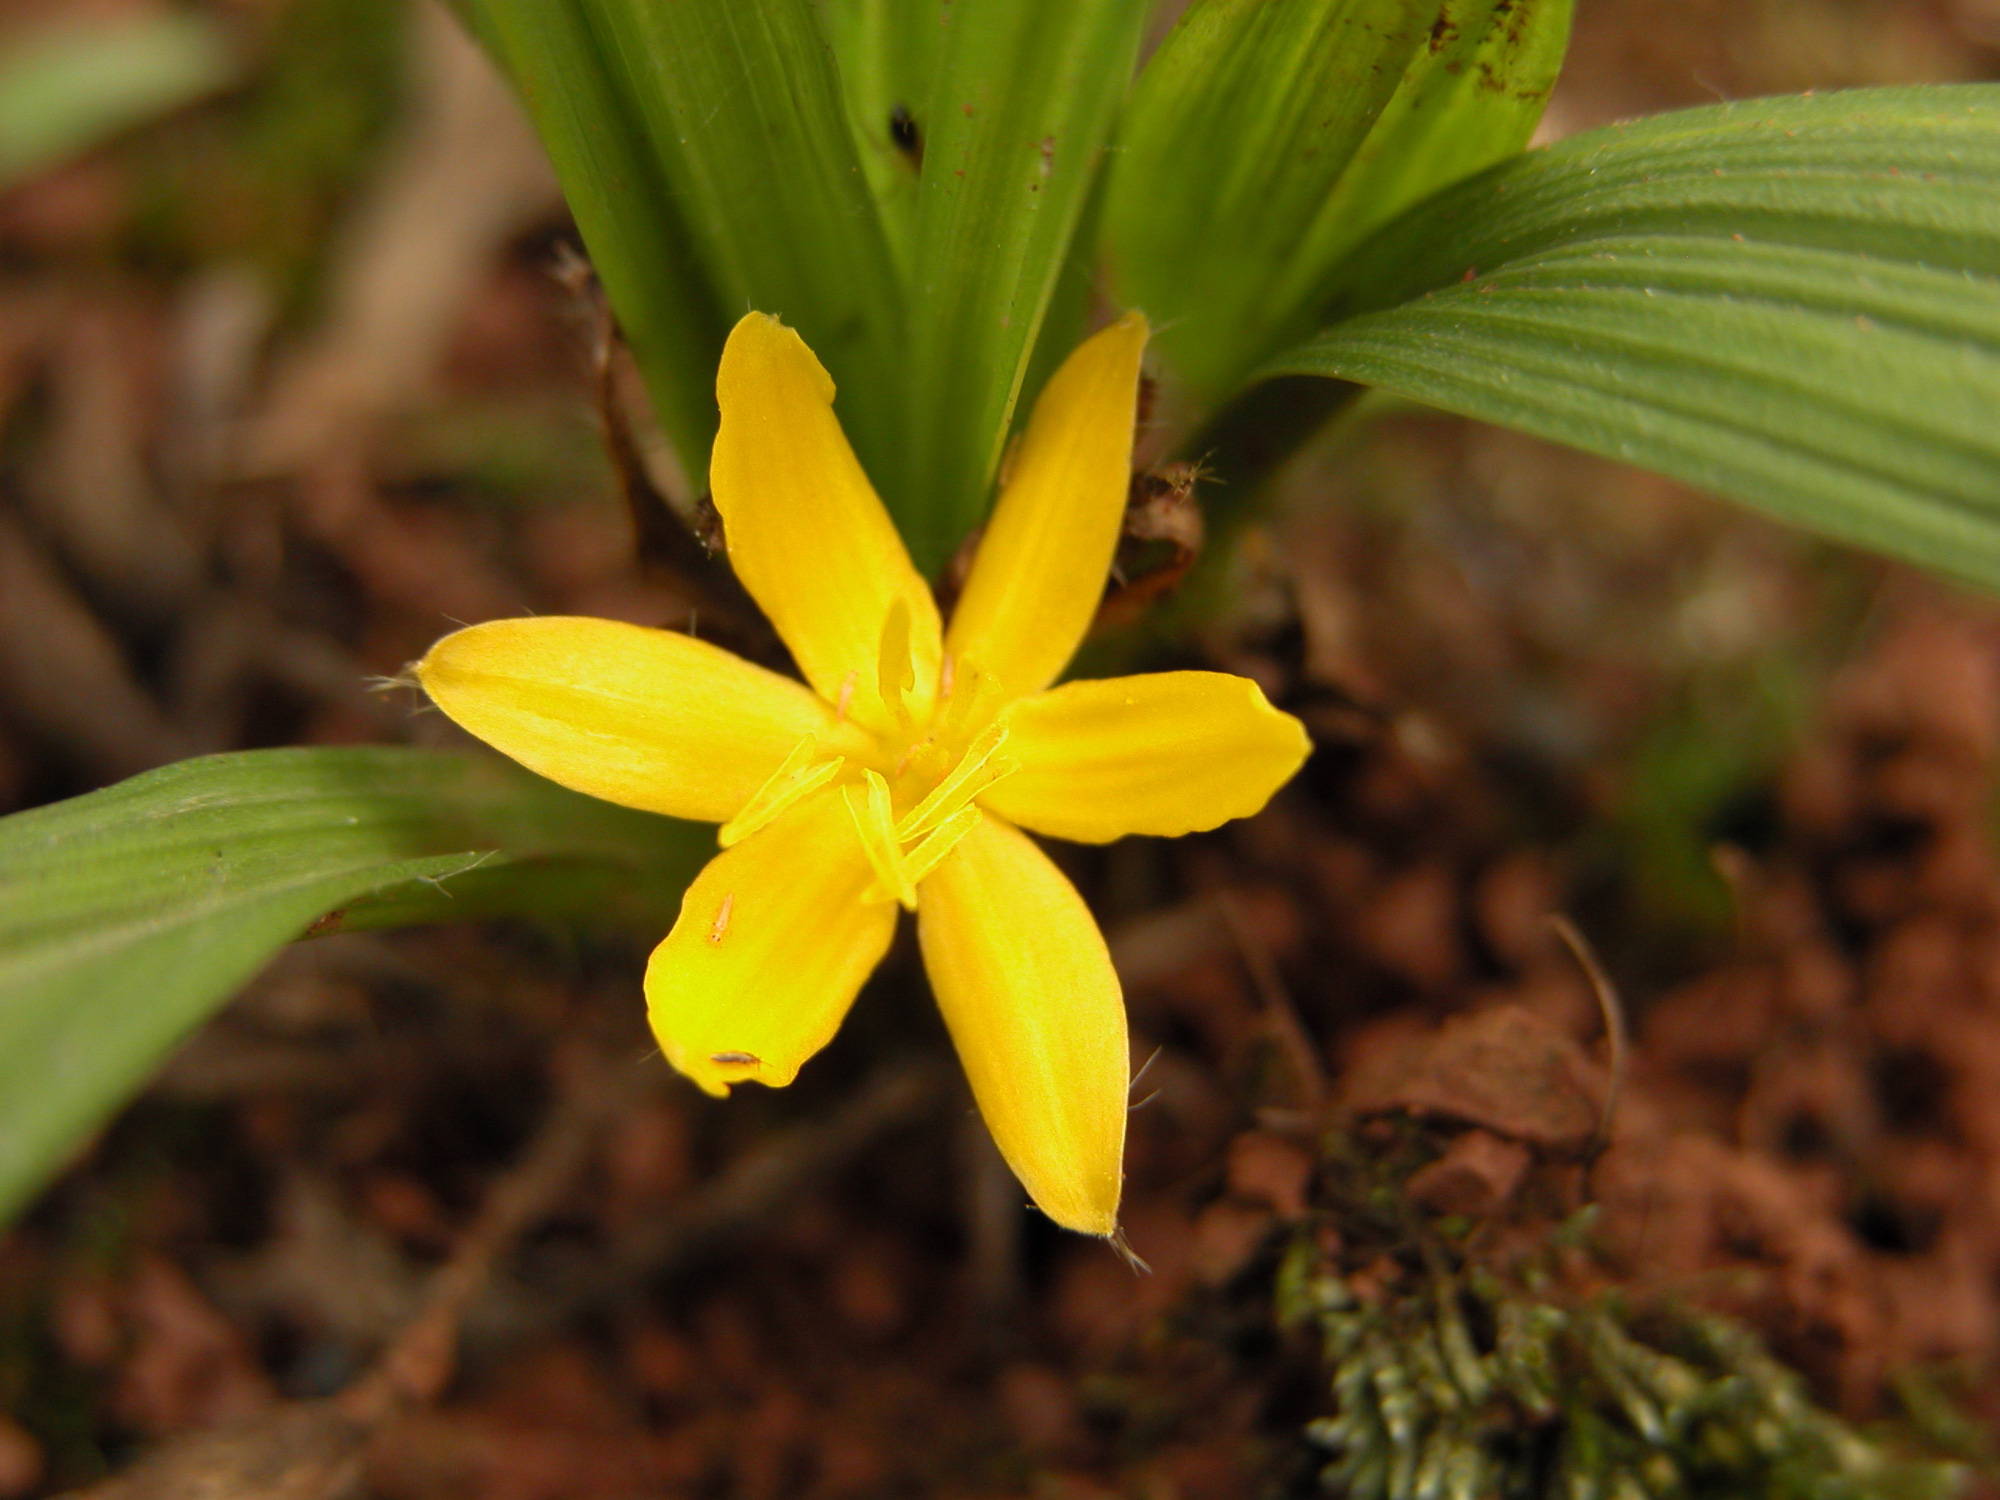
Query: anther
(785, 787)
(868, 806)
(895, 674)
(977, 769)
(903, 764)
(928, 855)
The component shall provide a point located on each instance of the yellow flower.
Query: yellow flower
(905, 772)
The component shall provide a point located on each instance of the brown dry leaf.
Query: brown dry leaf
(413, 559)
(65, 678)
(1476, 1175)
(1512, 902)
(1505, 1069)
(188, 1366)
(1041, 1409)
(1226, 1236)
(1940, 1308)
(501, 1452)
(1270, 1169)
(93, 494)
(1714, 1021)
(1411, 927)
(309, 1451)
(325, 1270)
(21, 1460)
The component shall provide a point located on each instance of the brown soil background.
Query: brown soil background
(288, 384)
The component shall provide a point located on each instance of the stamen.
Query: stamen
(903, 762)
(895, 673)
(928, 855)
(976, 770)
(785, 786)
(957, 710)
(868, 805)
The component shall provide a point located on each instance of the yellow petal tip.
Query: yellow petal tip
(1134, 322)
(762, 351)
(1074, 1201)
(771, 947)
(1039, 574)
(1098, 1223)
(1165, 754)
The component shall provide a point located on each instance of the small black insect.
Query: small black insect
(908, 138)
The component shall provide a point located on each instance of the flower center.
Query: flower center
(909, 789)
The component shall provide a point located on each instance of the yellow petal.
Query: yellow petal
(1026, 986)
(1040, 572)
(806, 533)
(1167, 753)
(648, 718)
(772, 945)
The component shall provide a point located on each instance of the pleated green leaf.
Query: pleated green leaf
(1014, 131)
(887, 53)
(1794, 302)
(1237, 134)
(742, 107)
(1470, 99)
(643, 251)
(129, 914)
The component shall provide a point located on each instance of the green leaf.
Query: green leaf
(1794, 302)
(887, 51)
(1470, 99)
(1066, 321)
(742, 109)
(129, 914)
(73, 86)
(1237, 133)
(642, 250)
(1014, 133)
(640, 246)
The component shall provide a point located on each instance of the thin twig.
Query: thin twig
(417, 1364)
(666, 541)
(1280, 1014)
(313, 1450)
(1614, 1024)
(752, 1188)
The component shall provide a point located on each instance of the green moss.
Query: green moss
(1456, 1379)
